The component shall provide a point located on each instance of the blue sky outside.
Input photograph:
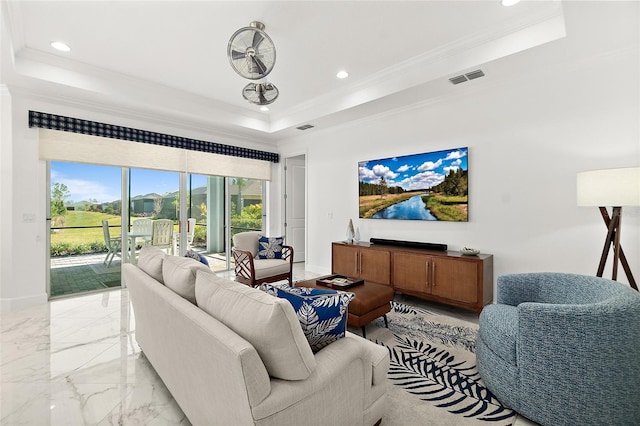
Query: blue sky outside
(414, 172)
(87, 181)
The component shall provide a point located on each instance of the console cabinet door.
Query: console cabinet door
(455, 279)
(375, 266)
(345, 260)
(411, 272)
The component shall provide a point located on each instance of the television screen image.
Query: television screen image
(427, 186)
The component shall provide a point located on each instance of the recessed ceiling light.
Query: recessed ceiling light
(264, 108)
(342, 74)
(510, 2)
(61, 46)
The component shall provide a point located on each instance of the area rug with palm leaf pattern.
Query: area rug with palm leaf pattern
(433, 372)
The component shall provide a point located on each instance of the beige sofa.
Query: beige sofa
(234, 355)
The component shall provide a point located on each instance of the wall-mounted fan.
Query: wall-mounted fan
(251, 52)
(260, 93)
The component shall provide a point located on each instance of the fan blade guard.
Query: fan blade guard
(260, 94)
(251, 52)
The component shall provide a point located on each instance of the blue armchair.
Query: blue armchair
(563, 349)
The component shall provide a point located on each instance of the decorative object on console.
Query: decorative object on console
(356, 237)
(615, 188)
(427, 186)
(322, 313)
(467, 251)
(350, 232)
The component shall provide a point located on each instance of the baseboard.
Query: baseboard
(317, 269)
(22, 302)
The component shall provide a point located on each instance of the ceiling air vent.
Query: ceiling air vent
(458, 79)
(474, 74)
(305, 127)
(466, 77)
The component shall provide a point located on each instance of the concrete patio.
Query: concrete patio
(87, 273)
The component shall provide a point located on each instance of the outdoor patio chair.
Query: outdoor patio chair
(113, 244)
(162, 234)
(191, 229)
(143, 226)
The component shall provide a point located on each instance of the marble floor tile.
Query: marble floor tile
(75, 361)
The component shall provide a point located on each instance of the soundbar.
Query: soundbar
(413, 244)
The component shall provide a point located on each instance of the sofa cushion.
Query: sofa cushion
(322, 313)
(150, 261)
(270, 247)
(179, 274)
(268, 323)
(270, 267)
(247, 241)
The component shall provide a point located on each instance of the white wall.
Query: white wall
(527, 140)
(23, 246)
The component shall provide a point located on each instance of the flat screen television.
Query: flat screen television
(428, 186)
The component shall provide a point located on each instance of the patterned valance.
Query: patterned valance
(75, 125)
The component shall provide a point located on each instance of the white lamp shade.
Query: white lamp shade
(609, 187)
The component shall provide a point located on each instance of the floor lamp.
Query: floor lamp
(611, 188)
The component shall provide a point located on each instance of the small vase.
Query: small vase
(350, 233)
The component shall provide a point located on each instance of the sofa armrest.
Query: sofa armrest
(378, 359)
(347, 366)
(287, 254)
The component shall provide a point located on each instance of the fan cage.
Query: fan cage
(260, 93)
(247, 55)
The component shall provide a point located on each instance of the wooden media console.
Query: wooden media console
(443, 276)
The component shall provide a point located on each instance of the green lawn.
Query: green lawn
(84, 236)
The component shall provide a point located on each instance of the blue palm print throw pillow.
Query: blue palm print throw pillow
(322, 313)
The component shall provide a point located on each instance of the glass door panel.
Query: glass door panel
(205, 206)
(153, 195)
(245, 198)
(84, 254)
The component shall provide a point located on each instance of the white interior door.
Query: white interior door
(294, 199)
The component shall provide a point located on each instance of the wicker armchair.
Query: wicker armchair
(563, 349)
(253, 271)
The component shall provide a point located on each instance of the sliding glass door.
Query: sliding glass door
(88, 242)
(153, 195)
(85, 207)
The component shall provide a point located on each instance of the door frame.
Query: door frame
(285, 200)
